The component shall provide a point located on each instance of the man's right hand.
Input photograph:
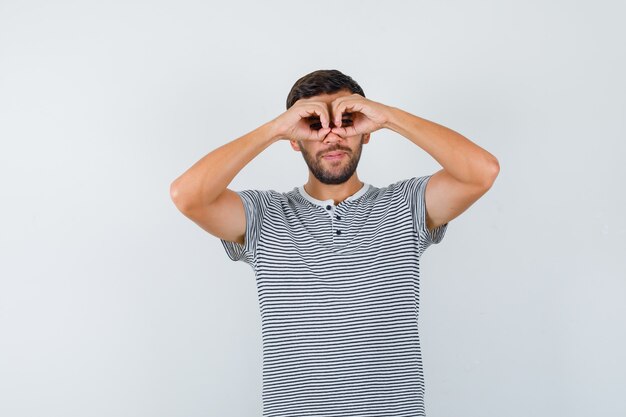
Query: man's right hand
(201, 193)
(307, 119)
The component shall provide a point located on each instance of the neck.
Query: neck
(336, 192)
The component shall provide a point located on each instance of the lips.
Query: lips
(334, 154)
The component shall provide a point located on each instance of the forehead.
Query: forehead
(328, 98)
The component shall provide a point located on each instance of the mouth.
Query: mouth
(334, 155)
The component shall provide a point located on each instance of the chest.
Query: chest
(353, 238)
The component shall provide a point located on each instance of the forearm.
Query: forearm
(208, 178)
(460, 157)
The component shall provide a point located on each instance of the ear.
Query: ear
(366, 138)
(294, 145)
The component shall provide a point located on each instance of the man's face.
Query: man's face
(334, 159)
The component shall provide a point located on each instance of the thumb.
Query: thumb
(339, 130)
(321, 134)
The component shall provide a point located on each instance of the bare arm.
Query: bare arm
(468, 170)
(201, 192)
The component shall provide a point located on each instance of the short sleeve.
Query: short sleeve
(255, 204)
(416, 194)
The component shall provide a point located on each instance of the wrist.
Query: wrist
(272, 132)
(393, 118)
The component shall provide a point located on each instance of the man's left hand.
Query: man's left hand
(355, 115)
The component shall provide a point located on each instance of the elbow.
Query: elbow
(492, 172)
(175, 197)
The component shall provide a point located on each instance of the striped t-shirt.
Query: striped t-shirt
(338, 288)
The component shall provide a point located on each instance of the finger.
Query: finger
(345, 131)
(319, 134)
(315, 109)
(322, 112)
(346, 106)
(340, 131)
(338, 106)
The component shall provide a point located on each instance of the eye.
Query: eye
(346, 118)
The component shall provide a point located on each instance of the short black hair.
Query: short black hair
(322, 82)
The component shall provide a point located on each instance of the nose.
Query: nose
(332, 137)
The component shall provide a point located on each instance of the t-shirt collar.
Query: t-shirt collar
(354, 196)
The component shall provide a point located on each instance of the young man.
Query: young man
(336, 260)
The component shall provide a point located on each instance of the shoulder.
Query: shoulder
(406, 186)
(266, 195)
(412, 182)
(266, 200)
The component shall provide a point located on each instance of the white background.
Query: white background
(112, 303)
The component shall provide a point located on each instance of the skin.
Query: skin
(468, 170)
(314, 127)
(334, 179)
(332, 171)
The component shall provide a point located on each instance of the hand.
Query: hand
(307, 119)
(355, 115)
